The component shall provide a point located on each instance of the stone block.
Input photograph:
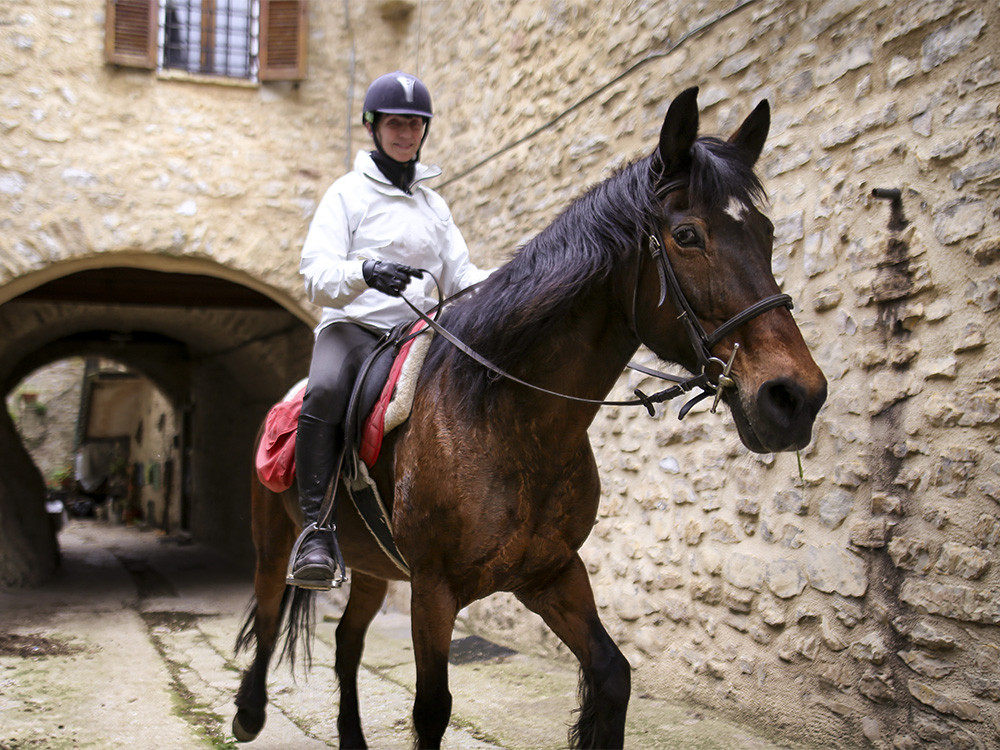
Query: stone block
(833, 637)
(707, 590)
(957, 601)
(738, 600)
(791, 501)
(985, 172)
(950, 41)
(675, 608)
(772, 612)
(827, 298)
(850, 474)
(849, 613)
(834, 507)
(942, 702)
(900, 69)
(987, 528)
(970, 338)
(987, 251)
(872, 533)
(831, 569)
(843, 134)
(980, 74)
(724, 532)
(744, 571)
(926, 665)
(927, 635)
(886, 503)
(984, 294)
(959, 219)
(12, 183)
(856, 55)
(871, 648)
(983, 686)
(964, 561)
(915, 15)
(693, 532)
(912, 554)
(944, 368)
(877, 686)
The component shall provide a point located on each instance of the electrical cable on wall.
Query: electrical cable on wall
(351, 72)
(597, 92)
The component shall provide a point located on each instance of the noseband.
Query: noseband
(702, 343)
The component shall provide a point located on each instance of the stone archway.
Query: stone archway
(221, 347)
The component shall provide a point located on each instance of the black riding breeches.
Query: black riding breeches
(338, 353)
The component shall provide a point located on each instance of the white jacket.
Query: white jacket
(364, 217)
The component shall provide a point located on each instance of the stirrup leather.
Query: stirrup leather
(339, 568)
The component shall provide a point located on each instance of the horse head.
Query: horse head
(711, 277)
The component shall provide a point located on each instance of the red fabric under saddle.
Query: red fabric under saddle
(275, 459)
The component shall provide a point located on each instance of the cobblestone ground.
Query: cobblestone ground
(132, 646)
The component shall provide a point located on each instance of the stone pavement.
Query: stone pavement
(131, 647)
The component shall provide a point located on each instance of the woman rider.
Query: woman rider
(372, 231)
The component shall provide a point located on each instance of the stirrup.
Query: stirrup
(338, 562)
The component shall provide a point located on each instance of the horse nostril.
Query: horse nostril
(781, 400)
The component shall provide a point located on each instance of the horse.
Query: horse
(492, 481)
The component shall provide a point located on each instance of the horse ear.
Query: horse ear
(680, 128)
(750, 136)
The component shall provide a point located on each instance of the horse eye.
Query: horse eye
(687, 236)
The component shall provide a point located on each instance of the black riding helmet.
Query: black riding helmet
(397, 93)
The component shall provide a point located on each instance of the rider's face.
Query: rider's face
(400, 135)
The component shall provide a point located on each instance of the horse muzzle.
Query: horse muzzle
(779, 416)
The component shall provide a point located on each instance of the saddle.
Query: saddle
(380, 401)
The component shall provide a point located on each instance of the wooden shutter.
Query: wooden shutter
(284, 37)
(130, 33)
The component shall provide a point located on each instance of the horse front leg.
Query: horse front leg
(363, 604)
(433, 610)
(567, 606)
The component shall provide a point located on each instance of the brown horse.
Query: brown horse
(493, 485)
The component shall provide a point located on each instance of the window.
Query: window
(246, 39)
(213, 37)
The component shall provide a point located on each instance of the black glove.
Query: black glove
(389, 278)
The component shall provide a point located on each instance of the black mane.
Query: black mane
(517, 306)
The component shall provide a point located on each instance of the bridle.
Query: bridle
(701, 342)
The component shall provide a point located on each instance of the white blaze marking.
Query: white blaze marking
(737, 209)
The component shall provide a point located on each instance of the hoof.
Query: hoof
(246, 730)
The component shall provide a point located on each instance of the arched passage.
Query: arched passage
(221, 351)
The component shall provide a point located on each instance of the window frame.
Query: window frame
(132, 39)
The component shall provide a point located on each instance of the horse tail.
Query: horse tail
(301, 619)
(246, 633)
(583, 733)
(298, 611)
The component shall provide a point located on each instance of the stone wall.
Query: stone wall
(847, 596)
(48, 425)
(854, 599)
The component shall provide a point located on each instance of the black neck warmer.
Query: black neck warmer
(398, 173)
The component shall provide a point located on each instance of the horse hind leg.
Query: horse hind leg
(363, 603)
(273, 535)
(262, 625)
(567, 607)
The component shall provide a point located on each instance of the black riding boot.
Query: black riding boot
(317, 449)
